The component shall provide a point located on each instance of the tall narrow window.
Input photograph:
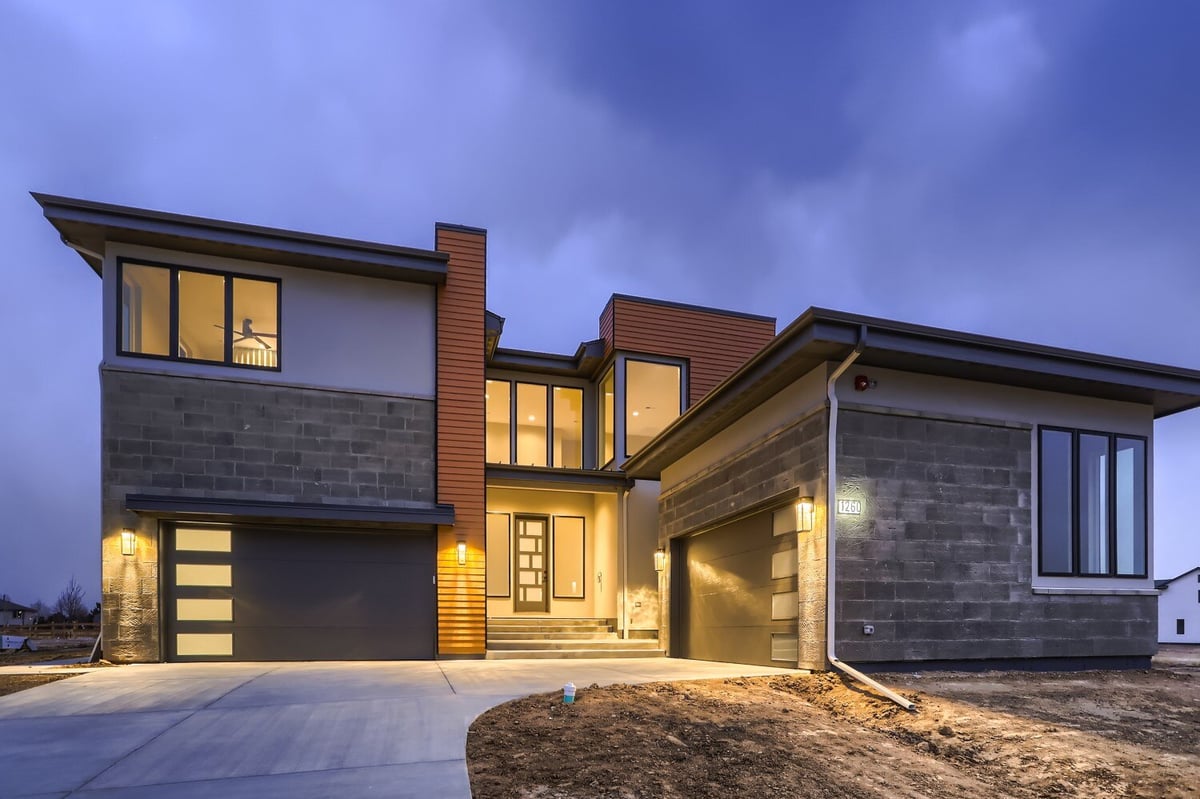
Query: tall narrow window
(1093, 504)
(255, 322)
(1131, 506)
(146, 310)
(652, 401)
(568, 427)
(1056, 500)
(531, 424)
(201, 316)
(608, 415)
(498, 400)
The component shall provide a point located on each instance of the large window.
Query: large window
(652, 401)
(193, 315)
(530, 425)
(1092, 502)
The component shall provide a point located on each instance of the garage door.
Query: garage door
(276, 594)
(735, 594)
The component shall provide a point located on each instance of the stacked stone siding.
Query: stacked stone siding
(940, 561)
(192, 437)
(791, 459)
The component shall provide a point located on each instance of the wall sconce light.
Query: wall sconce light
(462, 553)
(660, 559)
(804, 514)
(128, 542)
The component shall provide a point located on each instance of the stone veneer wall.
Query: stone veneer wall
(940, 561)
(184, 436)
(790, 459)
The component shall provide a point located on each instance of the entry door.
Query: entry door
(531, 565)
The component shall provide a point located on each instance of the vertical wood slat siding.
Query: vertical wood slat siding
(714, 343)
(462, 606)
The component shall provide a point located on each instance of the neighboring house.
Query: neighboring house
(1179, 608)
(991, 503)
(14, 615)
(316, 448)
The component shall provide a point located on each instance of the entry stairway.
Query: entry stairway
(519, 637)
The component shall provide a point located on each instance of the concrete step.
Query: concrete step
(546, 628)
(537, 621)
(556, 654)
(541, 635)
(558, 645)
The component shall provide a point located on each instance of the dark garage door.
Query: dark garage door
(280, 594)
(725, 591)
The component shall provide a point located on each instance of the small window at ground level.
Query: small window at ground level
(1179, 626)
(198, 315)
(1092, 504)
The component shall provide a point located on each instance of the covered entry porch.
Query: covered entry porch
(561, 581)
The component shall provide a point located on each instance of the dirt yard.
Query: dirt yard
(1011, 734)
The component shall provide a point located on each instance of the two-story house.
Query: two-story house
(314, 448)
(317, 448)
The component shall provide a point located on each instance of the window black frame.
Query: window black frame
(681, 365)
(173, 314)
(548, 414)
(1111, 488)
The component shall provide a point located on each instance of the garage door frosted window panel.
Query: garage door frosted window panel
(202, 605)
(531, 566)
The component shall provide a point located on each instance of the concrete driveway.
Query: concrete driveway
(287, 730)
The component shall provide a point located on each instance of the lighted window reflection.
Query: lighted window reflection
(499, 408)
(568, 427)
(531, 424)
(652, 401)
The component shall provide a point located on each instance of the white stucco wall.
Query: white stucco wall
(1180, 600)
(337, 331)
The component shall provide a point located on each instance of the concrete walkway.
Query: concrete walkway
(286, 730)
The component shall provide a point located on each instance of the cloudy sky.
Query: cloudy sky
(1027, 170)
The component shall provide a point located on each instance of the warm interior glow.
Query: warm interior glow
(660, 559)
(128, 542)
(462, 553)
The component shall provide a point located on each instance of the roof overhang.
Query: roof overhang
(591, 480)
(90, 225)
(820, 336)
(583, 363)
(290, 513)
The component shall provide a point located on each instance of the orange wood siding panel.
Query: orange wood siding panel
(606, 327)
(714, 343)
(462, 605)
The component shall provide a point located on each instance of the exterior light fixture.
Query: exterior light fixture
(660, 559)
(462, 553)
(128, 542)
(804, 514)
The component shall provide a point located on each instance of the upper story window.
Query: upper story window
(197, 315)
(531, 424)
(1092, 504)
(653, 399)
(608, 415)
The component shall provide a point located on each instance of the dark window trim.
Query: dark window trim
(514, 419)
(552, 438)
(1180, 627)
(678, 363)
(512, 411)
(1111, 488)
(173, 311)
(600, 416)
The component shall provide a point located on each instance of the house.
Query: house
(317, 448)
(953, 499)
(14, 615)
(1179, 608)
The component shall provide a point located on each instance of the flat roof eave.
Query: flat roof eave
(90, 225)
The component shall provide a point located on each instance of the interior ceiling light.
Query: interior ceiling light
(532, 418)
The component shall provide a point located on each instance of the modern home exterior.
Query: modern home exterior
(991, 502)
(317, 448)
(1179, 608)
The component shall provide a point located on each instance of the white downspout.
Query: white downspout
(831, 533)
